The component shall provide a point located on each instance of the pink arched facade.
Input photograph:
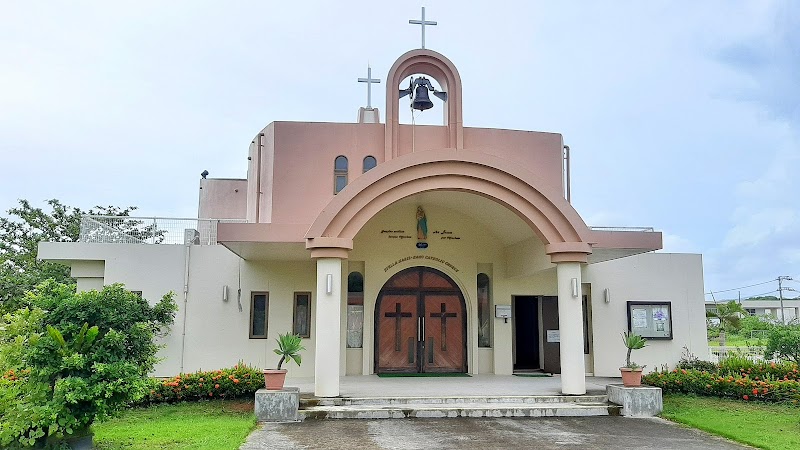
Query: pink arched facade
(553, 220)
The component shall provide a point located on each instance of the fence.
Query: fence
(150, 230)
(753, 353)
(624, 229)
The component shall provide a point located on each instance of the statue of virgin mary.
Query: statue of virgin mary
(422, 224)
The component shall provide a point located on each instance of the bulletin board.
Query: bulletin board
(651, 320)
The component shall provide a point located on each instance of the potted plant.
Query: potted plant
(289, 348)
(632, 372)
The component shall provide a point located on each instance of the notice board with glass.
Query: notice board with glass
(651, 320)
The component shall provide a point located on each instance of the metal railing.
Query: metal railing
(626, 229)
(150, 230)
(754, 353)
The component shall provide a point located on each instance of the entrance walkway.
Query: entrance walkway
(475, 385)
(485, 433)
(547, 433)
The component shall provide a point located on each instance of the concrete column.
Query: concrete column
(327, 352)
(570, 324)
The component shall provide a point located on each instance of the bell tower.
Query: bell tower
(441, 69)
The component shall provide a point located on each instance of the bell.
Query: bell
(421, 99)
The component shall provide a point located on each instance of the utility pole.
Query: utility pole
(780, 293)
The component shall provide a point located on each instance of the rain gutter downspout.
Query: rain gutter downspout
(187, 254)
(567, 170)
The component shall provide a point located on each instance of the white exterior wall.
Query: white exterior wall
(677, 278)
(153, 269)
(217, 333)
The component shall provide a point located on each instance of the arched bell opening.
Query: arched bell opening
(423, 101)
(443, 75)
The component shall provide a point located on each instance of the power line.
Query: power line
(743, 287)
(760, 295)
(748, 298)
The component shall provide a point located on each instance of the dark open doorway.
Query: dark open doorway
(526, 338)
(536, 335)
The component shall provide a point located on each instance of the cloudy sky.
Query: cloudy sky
(681, 115)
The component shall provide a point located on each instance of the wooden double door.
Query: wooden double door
(420, 324)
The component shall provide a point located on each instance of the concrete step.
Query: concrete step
(453, 400)
(443, 410)
(458, 406)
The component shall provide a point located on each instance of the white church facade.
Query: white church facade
(403, 248)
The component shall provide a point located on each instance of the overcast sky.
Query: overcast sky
(681, 115)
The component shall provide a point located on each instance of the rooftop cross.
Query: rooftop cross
(369, 80)
(422, 23)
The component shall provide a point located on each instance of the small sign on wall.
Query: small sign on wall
(502, 311)
(553, 336)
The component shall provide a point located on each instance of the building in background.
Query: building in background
(767, 307)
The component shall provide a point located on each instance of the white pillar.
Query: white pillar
(570, 324)
(328, 315)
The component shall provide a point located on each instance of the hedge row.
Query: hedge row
(238, 381)
(765, 386)
(742, 366)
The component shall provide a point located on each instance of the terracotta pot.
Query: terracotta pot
(273, 379)
(631, 377)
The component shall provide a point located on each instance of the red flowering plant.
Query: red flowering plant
(765, 381)
(238, 381)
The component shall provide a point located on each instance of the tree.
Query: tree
(784, 342)
(88, 359)
(20, 234)
(750, 324)
(729, 315)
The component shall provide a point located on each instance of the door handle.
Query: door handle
(419, 329)
(423, 327)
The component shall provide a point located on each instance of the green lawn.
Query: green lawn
(213, 425)
(762, 425)
(738, 342)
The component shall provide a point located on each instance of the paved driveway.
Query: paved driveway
(539, 433)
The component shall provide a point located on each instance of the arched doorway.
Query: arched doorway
(420, 324)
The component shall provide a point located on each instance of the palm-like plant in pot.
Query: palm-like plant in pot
(632, 372)
(289, 348)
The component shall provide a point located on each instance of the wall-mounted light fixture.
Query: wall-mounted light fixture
(575, 287)
(225, 293)
(607, 295)
(329, 284)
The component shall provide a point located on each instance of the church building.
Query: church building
(396, 247)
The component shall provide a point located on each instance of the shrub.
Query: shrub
(735, 363)
(690, 361)
(735, 377)
(91, 361)
(18, 330)
(784, 343)
(238, 381)
(754, 323)
(711, 384)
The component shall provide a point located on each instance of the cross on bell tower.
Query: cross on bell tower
(422, 23)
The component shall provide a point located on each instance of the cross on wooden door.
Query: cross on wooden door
(443, 315)
(398, 316)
